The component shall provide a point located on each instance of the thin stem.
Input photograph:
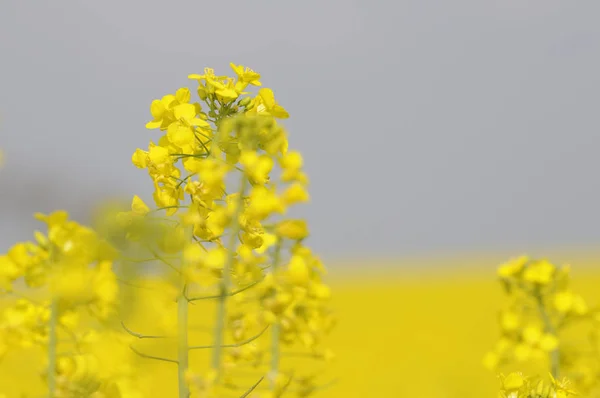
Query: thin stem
(233, 345)
(224, 285)
(139, 335)
(275, 329)
(232, 293)
(252, 388)
(182, 339)
(52, 342)
(554, 354)
(141, 354)
(182, 345)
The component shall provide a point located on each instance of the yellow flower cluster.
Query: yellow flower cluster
(537, 323)
(236, 248)
(70, 269)
(515, 385)
(71, 260)
(219, 238)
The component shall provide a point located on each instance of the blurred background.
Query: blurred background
(440, 138)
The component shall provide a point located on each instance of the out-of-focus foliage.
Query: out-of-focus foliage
(421, 333)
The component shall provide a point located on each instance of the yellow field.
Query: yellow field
(400, 334)
(420, 336)
(424, 333)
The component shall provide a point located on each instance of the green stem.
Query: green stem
(183, 348)
(182, 342)
(52, 342)
(275, 329)
(554, 354)
(219, 333)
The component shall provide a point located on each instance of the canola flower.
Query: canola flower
(224, 180)
(239, 246)
(537, 328)
(516, 385)
(70, 267)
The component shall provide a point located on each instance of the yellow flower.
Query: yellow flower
(263, 202)
(140, 158)
(513, 267)
(298, 271)
(539, 272)
(510, 321)
(9, 272)
(257, 167)
(138, 206)
(532, 334)
(579, 305)
(292, 229)
(158, 155)
(209, 75)
(245, 76)
(291, 164)
(162, 115)
(268, 240)
(215, 84)
(181, 132)
(215, 258)
(563, 301)
(513, 382)
(265, 104)
(562, 387)
(295, 193)
(53, 219)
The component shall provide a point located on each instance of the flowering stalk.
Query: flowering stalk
(542, 304)
(224, 283)
(249, 140)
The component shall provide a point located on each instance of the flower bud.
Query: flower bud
(245, 102)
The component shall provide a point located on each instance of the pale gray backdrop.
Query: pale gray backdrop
(427, 126)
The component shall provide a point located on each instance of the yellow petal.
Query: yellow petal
(199, 122)
(279, 112)
(185, 111)
(139, 207)
(267, 96)
(153, 124)
(140, 158)
(183, 95)
(157, 109)
(180, 134)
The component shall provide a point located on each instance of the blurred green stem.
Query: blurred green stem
(554, 354)
(182, 342)
(52, 340)
(219, 333)
(182, 332)
(275, 329)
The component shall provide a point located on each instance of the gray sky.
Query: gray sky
(425, 125)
